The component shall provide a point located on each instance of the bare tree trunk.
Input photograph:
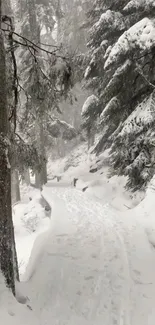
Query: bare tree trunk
(44, 173)
(90, 136)
(26, 177)
(37, 180)
(40, 176)
(58, 18)
(8, 260)
(15, 190)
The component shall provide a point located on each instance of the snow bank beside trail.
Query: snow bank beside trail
(144, 212)
(29, 220)
(94, 266)
(11, 312)
(58, 225)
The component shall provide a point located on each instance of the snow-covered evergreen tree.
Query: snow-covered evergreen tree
(121, 72)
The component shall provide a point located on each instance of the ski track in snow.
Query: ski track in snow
(94, 267)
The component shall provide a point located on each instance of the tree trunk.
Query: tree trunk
(37, 180)
(15, 190)
(91, 137)
(8, 260)
(44, 173)
(26, 177)
(40, 176)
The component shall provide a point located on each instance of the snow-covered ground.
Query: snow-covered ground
(29, 221)
(13, 313)
(93, 264)
(111, 189)
(94, 261)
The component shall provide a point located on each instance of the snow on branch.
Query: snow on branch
(140, 36)
(135, 5)
(112, 106)
(142, 116)
(109, 18)
(90, 104)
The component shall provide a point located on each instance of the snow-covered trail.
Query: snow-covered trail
(92, 267)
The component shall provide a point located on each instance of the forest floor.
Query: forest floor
(94, 260)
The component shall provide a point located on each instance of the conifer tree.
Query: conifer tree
(121, 72)
(46, 76)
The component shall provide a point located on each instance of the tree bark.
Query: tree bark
(8, 260)
(40, 176)
(90, 136)
(26, 177)
(44, 173)
(15, 190)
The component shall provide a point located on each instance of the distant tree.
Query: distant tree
(45, 75)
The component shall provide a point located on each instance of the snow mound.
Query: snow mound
(29, 220)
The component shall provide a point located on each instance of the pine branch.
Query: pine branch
(20, 138)
(137, 66)
(31, 44)
(140, 71)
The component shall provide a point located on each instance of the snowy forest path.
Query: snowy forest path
(92, 265)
